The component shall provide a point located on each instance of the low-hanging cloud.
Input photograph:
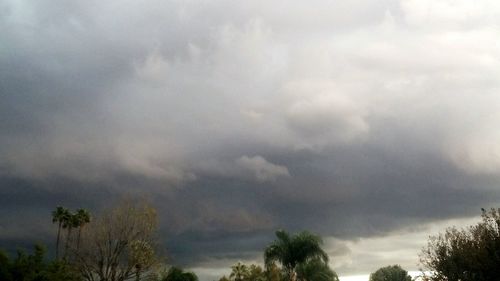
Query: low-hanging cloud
(350, 119)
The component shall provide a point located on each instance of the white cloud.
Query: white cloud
(262, 169)
(401, 247)
(320, 115)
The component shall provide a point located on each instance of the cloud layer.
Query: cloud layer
(351, 119)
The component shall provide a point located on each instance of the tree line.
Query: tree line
(122, 244)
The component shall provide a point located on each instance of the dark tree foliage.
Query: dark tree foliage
(33, 267)
(178, 274)
(316, 270)
(470, 254)
(301, 257)
(390, 273)
(292, 250)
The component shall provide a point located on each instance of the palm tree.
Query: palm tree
(239, 272)
(70, 221)
(292, 250)
(315, 270)
(58, 215)
(82, 217)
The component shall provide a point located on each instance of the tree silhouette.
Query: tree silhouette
(58, 216)
(82, 217)
(177, 274)
(70, 221)
(468, 254)
(292, 250)
(315, 270)
(390, 273)
(239, 272)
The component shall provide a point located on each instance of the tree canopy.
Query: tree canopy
(469, 254)
(315, 270)
(178, 274)
(293, 250)
(120, 244)
(34, 267)
(390, 273)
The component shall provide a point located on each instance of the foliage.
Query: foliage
(178, 274)
(292, 250)
(82, 217)
(300, 256)
(120, 244)
(33, 267)
(239, 272)
(59, 215)
(471, 254)
(65, 219)
(390, 273)
(255, 273)
(242, 272)
(273, 273)
(316, 270)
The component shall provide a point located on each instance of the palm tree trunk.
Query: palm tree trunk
(67, 243)
(57, 242)
(78, 239)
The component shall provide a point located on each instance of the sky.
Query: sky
(371, 123)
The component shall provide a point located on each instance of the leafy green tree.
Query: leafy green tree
(34, 267)
(239, 272)
(5, 267)
(255, 273)
(273, 272)
(316, 270)
(178, 274)
(59, 215)
(390, 273)
(293, 250)
(224, 278)
(469, 254)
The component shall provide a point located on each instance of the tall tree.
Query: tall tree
(119, 244)
(292, 250)
(58, 216)
(83, 218)
(70, 221)
(390, 273)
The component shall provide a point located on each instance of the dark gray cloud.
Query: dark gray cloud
(353, 120)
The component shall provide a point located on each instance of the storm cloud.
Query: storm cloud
(352, 119)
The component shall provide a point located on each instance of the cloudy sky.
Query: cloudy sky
(372, 123)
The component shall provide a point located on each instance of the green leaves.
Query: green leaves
(390, 273)
(292, 250)
(470, 254)
(33, 267)
(315, 270)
